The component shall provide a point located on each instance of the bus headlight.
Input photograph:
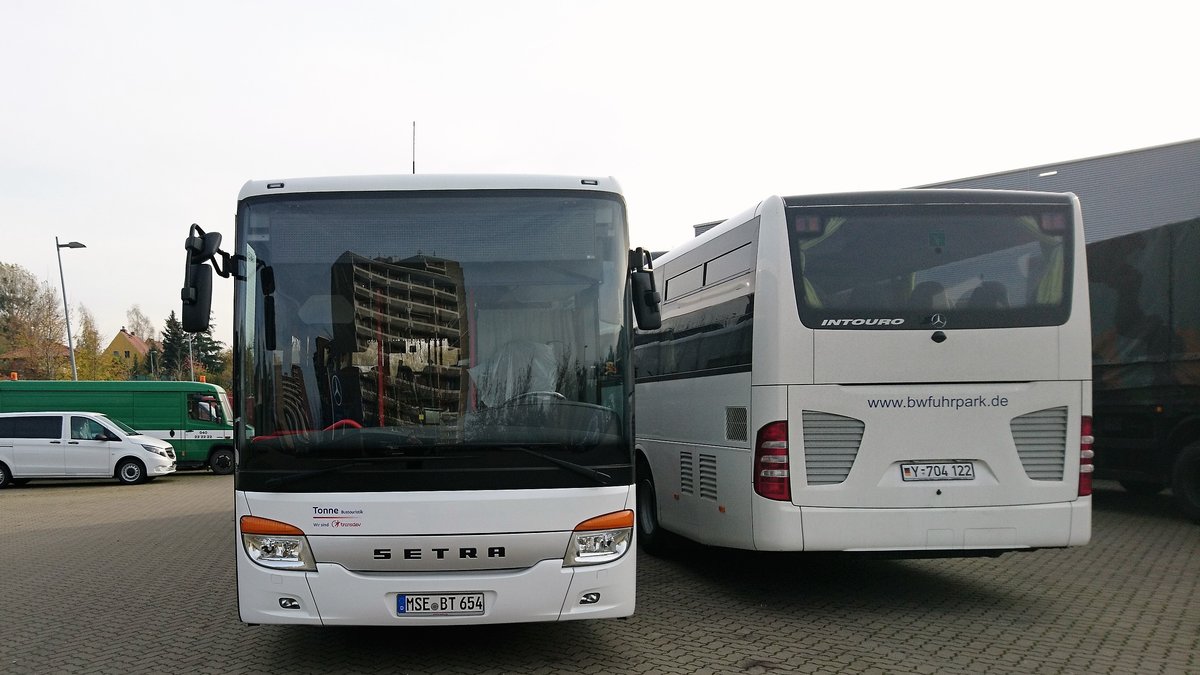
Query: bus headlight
(276, 545)
(600, 540)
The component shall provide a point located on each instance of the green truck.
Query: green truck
(194, 417)
(1146, 360)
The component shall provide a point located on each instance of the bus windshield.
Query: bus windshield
(923, 266)
(433, 341)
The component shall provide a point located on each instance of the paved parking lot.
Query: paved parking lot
(101, 578)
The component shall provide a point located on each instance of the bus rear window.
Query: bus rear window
(922, 267)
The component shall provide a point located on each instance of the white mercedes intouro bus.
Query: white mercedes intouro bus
(432, 398)
(904, 371)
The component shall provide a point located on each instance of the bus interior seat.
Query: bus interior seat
(871, 296)
(516, 367)
(928, 295)
(989, 295)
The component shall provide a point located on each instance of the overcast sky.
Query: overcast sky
(124, 122)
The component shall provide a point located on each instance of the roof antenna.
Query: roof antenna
(414, 147)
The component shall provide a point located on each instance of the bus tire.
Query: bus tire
(221, 461)
(650, 534)
(1185, 481)
(6, 479)
(130, 472)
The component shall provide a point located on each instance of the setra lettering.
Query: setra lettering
(464, 553)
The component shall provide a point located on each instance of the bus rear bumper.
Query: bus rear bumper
(785, 527)
(336, 596)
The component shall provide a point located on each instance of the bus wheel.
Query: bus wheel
(221, 462)
(650, 534)
(1185, 481)
(6, 479)
(130, 472)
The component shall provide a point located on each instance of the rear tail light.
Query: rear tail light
(1086, 454)
(772, 472)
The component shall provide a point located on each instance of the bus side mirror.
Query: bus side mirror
(266, 277)
(269, 341)
(197, 297)
(646, 301)
(202, 246)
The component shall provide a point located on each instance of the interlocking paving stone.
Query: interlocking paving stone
(97, 577)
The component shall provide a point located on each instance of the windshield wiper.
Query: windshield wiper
(598, 476)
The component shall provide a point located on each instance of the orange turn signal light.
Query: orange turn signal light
(256, 525)
(608, 521)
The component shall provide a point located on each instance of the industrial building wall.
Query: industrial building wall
(1119, 193)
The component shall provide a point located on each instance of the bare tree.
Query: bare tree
(40, 330)
(17, 289)
(137, 323)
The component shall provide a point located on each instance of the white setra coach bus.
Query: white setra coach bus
(432, 398)
(904, 371)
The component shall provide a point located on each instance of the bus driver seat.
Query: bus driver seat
(928, 295)
(989, 295)
(517, 367)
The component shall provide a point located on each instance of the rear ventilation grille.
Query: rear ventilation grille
(737, 427)
(1041, 440)
(708, 477)
(686, 473)
(831, 444)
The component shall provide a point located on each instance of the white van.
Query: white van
(78, 445)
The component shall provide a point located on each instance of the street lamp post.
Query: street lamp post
(191, 361)
(66, 309)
